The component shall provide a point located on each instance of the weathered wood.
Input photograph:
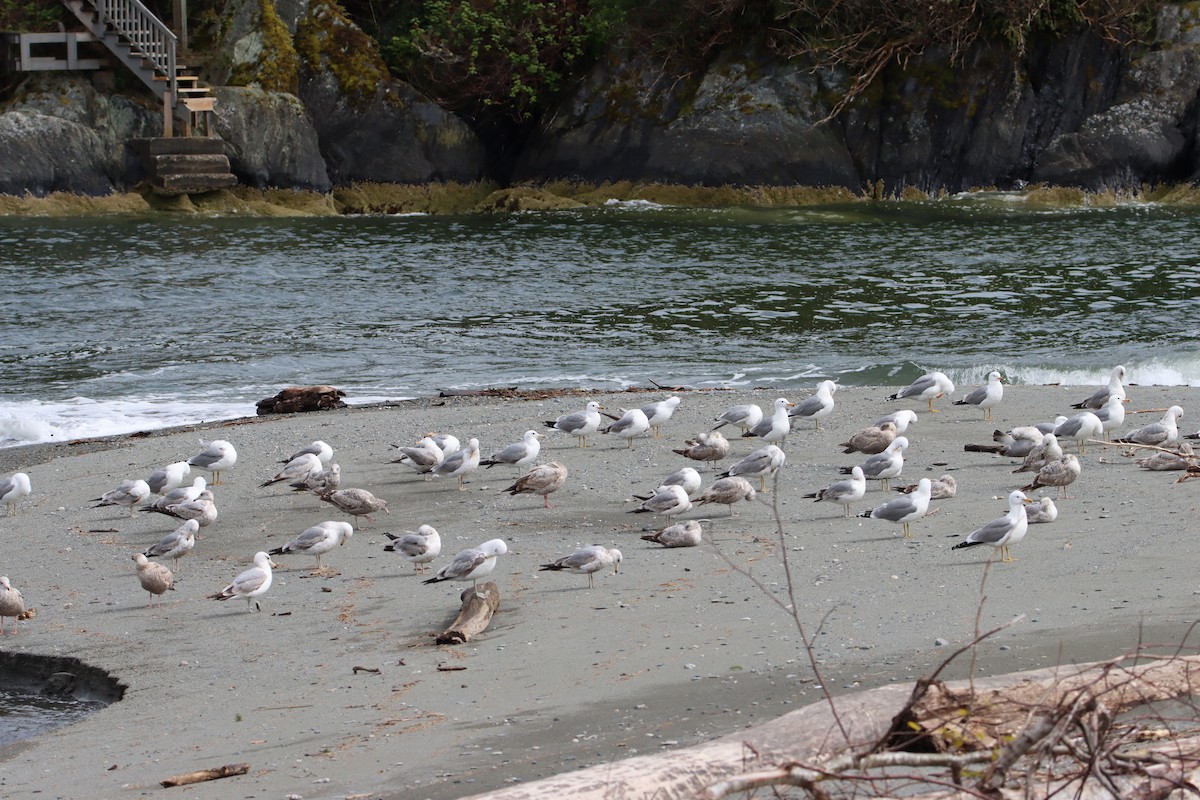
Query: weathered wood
(302, 398)
(478, 605)
(199, 776)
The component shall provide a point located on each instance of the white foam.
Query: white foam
(36, 422)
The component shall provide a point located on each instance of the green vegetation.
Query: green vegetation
(29, 16)
(326, 37)
(278, 66)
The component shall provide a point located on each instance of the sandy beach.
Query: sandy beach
(681, 646)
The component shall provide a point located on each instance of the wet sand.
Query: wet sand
(681, 646)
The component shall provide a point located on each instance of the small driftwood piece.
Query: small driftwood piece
(199, 776)
(478, 605)
(302, 398)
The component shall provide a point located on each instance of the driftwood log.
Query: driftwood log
(478, 605)
(302, 398)
(199, 776)
(811, 743)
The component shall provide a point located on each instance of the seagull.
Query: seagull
(872, 440)
(318, 540)
(845, 492)
(762, 462)
(709, 446)
(423, 457)
(251, 584)
(682, 534)
(299, 468)
(1164, 460)
(942, 488)
(580, 424)
(587, 561)
(1081, 427)
(929, 387)
(1111, 415)
(1159, 434)
(886, 465)
(176, 544)
(544, 479)
(154, 577)
(818, 406)
(517, 454)
(169, 477)
(660, 412)
(985, 396)
(728, 491)
(419, 547)
(323, 480)
(1045, 451)
(687, 477)
(356, 502)
(203, 509)
(1004, 532)
(12, 604)
(12, 489)
(742, 416)
(180, 494)
(901, 419)
(1061, 473)
(460, 464)
(904, 509)
(633, 423)
(471, 564)
(318, 448)
(776, 427)
(1016, 443)
(668, 501)
(128, 493)
(1116, 386)
(446, 442)
(1043, 510)
(216, 456)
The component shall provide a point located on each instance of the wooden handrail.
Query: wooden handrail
(148, 37)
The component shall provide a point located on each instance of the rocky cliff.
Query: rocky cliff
(317, 111)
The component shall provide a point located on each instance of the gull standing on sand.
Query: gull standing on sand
(203, 509)
(298, 468)
(587, 561)
(687, 477)
(1111, 415)
(180, 494)
(886, 465)
(320, 449)
(318, 540)
(633, 423)
(1015, 443)
(251, 584)
(1004, 532)
(682, 534)
(323, 480)
(471, 564)
(12, 604)
(356, 502)
(872, 440)
(744, 416)
(1043, 510)
(1159, 434)
(901, 419)
(710, 446)
(1115, 386)
(424, 457)
(168, 478)
(818, 406)
(1047, 450)
(12, 489)
(1081, 427)
(544, 479)
(418, 547)
(762, 462)
(128, 493)
(460, 464)
(943, 488)
(658, 413)
(154, 577)
(986, 396)
(176, 544)
(776, 427)
(727, 491)
(669, 501)
(929, 386)
(904, 510)
(845, 492)
(216, 456)
(1061, 473)
(517, 454)
(580, 424)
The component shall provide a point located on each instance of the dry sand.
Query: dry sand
(681, 646)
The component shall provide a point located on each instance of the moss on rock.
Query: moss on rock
(327, 39)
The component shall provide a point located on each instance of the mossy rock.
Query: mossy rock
(525, 199)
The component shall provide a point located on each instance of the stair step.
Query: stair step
(181, 145)
(180, 78)
(197, 164)
(193, 184)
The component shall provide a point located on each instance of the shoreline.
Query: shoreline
(677, 648)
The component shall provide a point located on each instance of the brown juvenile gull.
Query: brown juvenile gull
(128, 493)
(12, 604)
(762, 462)
(214, 457)
(12, 489)
(1003, 532)
(323, 480)
(986, 396)
(356, 502)
(422, 457)
(886, 465)
(776, 427)
(517, 454)
(845, 492)
(929, 386)
(681, 534)
(471, 564)
(660, 412)
(176, 544)
(418, 547)
(1159, 434)
(1165, 460)
(318, 540)
(818, 406)
(668, 501)
(298, 468)
(251, 584)
(744, 416)
(155, 578)
(580, 424)
(904, 510)
(1043, 510)
(1042, 453)
(169, 477)
(633, 423)
(942, 488)
(587, 561)
(180, 494)
(728, 491)
(711, 446)
(544, 479)
(203, 509)
(459, 464)
(872, 440)
(1061, 473)
(1115, 386)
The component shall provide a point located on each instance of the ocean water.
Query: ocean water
(118, 324)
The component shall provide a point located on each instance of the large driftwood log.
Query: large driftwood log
(302, 398)
(199, 776)
(478, 605)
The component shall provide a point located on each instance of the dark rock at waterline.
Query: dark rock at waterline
(58, 676)
(60, 684)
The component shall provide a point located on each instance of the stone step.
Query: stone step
(193, 184)
(197, 164)
(181, 145)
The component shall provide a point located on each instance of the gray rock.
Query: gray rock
(270, 139)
